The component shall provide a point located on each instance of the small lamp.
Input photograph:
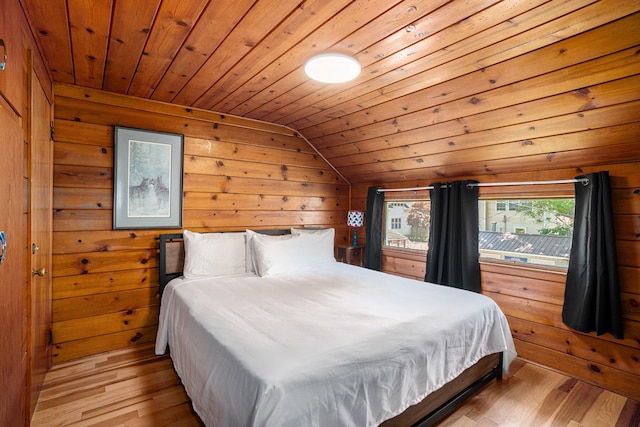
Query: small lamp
(355, 219)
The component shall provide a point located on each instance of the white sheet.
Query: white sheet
(332, 345)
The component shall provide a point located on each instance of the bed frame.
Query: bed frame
(433, 409)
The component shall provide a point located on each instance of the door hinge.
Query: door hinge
(49, 336)
(52, 131)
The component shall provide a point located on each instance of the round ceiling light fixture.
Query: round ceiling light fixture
(332, 68)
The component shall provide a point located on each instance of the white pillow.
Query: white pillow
(275, 254)
(287, 253)
(313, 231)
(213, 254)
(249, 254)
(321, 243)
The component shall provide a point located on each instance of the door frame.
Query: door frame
(39, 234)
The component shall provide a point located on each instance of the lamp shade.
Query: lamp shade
(355, 219)
(332, 68)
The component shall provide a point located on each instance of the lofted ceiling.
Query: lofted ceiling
(429, 67)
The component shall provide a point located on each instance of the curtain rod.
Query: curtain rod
(584, 181)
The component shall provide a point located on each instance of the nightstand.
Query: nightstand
(349, 254)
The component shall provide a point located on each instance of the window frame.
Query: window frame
(506, 193)
(417, 196)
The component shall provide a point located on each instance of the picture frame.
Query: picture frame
(147, 179)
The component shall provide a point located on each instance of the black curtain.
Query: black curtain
(373, 229)
(452, 257)
(592, 293)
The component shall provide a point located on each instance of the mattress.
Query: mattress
(329, 345)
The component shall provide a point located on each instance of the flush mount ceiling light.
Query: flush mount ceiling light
(332, 68)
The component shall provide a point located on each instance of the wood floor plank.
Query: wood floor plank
(174, 416)
(630, 415)
(605, 411)
(580, 399)
(547, 408)
(144, 403)
(136, 388)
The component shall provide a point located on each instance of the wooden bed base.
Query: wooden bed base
(442, 402)
(433, 409)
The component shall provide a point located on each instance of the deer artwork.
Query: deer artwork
(162, 193)
(139, 193)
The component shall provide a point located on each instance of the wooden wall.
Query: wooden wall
(238, 174)
(547, 129)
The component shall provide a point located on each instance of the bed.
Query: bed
(269, 330)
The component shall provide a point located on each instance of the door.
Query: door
(40, 234)
(13, 263)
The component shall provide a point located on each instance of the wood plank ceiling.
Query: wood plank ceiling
(433, 70)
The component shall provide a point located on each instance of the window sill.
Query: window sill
(419, 255)
(520, 266)
(404, 252)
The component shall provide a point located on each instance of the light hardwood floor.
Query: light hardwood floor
(137, 388)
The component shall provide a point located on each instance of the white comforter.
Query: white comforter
(332, 345)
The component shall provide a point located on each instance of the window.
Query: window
(407, 224)
(533, 231)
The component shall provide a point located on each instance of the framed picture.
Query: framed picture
(147, 179)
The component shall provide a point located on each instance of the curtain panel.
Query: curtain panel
(592, 293)
(452, 257)
(373, 229)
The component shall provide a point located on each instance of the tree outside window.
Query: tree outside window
(418, 217)
(555, 215)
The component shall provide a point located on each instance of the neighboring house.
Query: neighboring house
(396, 219)
(503, 215)
(525, 248)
